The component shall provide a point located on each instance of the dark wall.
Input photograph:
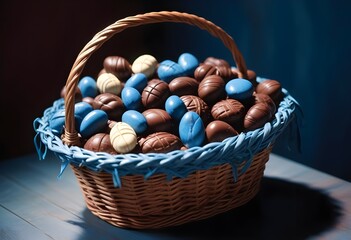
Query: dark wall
(303, 44)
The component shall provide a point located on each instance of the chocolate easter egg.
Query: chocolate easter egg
(160, 142)
(211, 89)
(257, 116)
(88, 87)
(131, 98)
(109, 83)
(94, 122)
(145, 64)
(155, 94)
(188, 62)
(136, 120)
(118, 66)
(196, 104)
(168, 70)
(204, 70)
(217, 131)
(191, 130)
(183, 86)
(111, 104)
(123, 138)
(77, 94)
(270, 87)
(216, 62)
(137, 81)
(175, 107)
(260, 97)
(239, 89)
(158, 120)
(100, 142)
(228, 110)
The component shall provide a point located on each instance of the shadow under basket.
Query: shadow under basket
(155, 190)
(157, 203)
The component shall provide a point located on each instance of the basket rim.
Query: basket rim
(236, 150)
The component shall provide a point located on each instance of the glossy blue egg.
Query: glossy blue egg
(188, 62)
(136, 120)
(131, 98)
(81, 109)
(88, 87)
(57, 122)
(94, 122)
(191, 130)
(239, 89)
(168, 70)
(137, 81)
(175, 107)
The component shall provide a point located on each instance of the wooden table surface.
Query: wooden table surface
(295, 202)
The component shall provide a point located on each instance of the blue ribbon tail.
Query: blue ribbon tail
(116, 179)
(64, 165)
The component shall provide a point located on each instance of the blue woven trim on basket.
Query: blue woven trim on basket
(236, 151)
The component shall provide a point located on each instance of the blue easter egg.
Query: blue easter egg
(239, 89)
(88, 87)
(57, 122)
(94, 122)
(168, 70)
(131, 98)
(137, 81)
(191, 130)
(175, 107)
(81, 109)
(136, 120)
(188, 62)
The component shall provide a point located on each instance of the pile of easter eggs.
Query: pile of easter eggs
(157, 107)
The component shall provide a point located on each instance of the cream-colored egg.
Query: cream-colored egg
(146, 64)
(109, 83)
(123, 137)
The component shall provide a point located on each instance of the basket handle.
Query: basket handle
(70, 136)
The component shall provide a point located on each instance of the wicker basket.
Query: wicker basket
(159, 190)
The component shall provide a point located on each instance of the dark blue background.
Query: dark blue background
(303, 44)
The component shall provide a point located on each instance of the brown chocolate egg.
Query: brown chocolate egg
(251, 76)
(225, 72)
(158, 120)
(216, 62)
(257, 116)
(196, 104)
(217, 131)
(260, 97)
(118, 66)
(89, 100)
(100, 142)
(160, 142)
(211, 89)
(181, 86)
(230, 111)
(77, 95)
(270, 87)
(111, 104)
(155, 94)
(204, 70)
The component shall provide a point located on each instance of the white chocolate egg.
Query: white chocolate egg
(123, 137)
(109, 83)
(145, 64)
